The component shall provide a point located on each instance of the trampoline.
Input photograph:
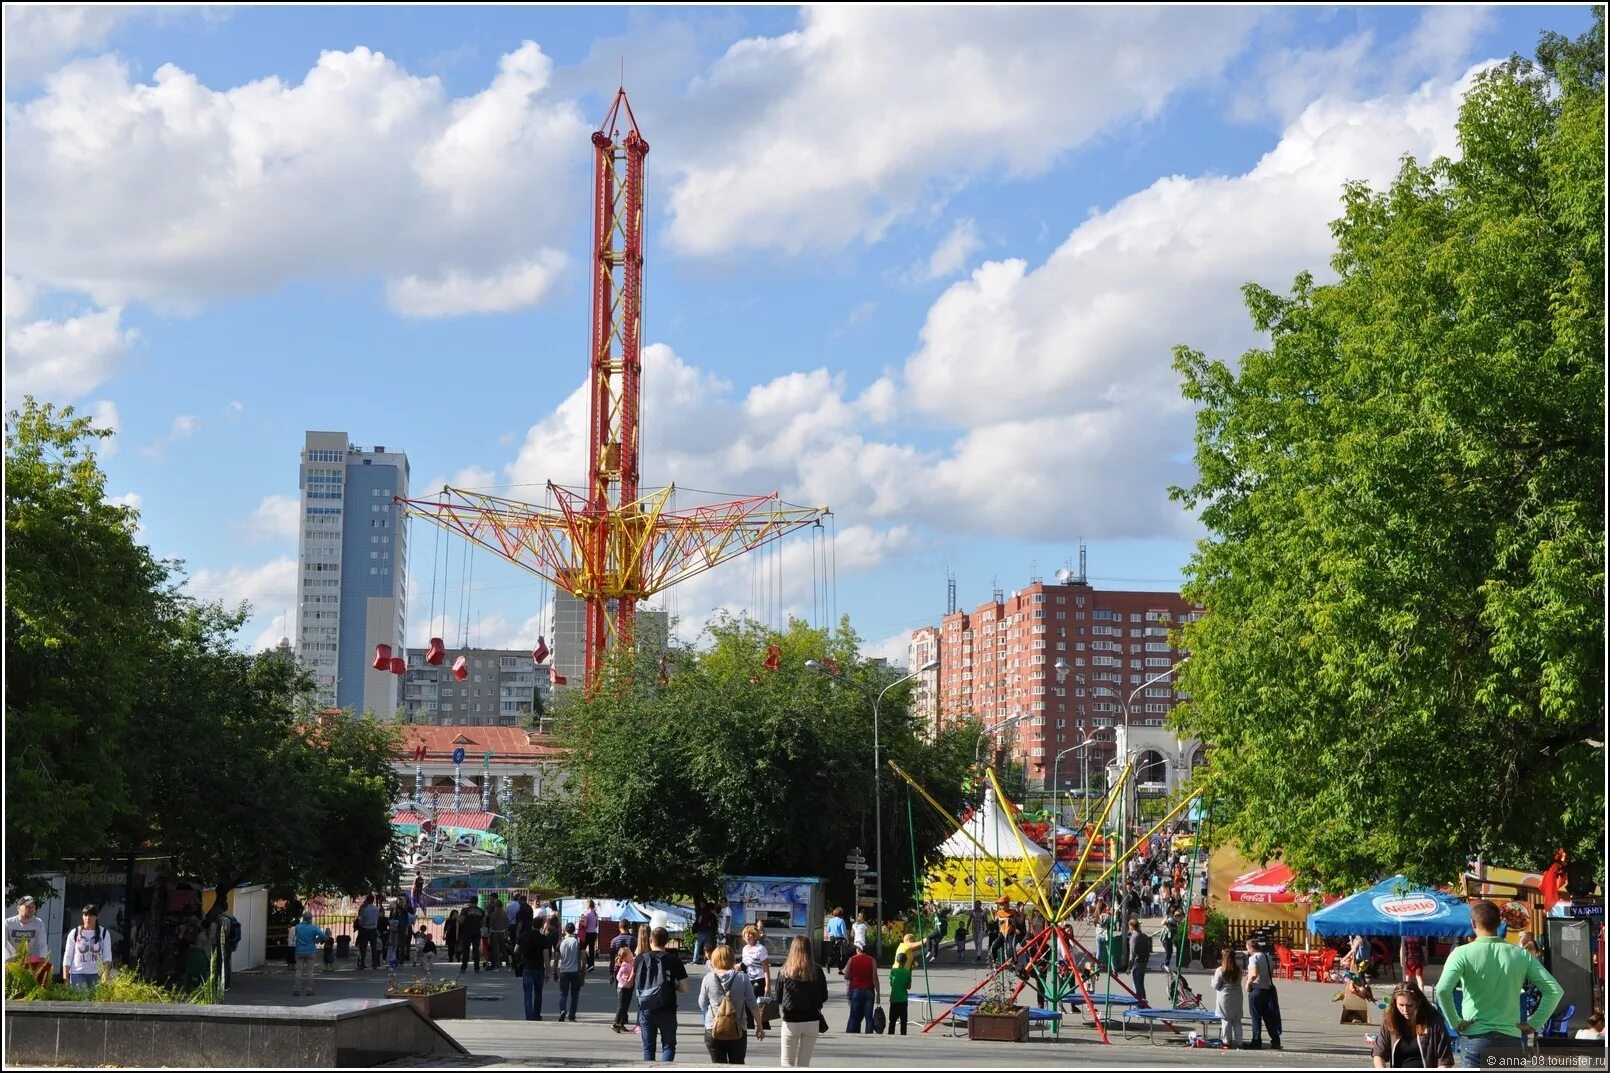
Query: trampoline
(1153, 1018)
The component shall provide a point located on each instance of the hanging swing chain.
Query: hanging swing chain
(435, 572)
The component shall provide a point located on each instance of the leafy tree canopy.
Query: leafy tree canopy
(727, 768)
(133, 720)
(1402, 663)
(83, 598)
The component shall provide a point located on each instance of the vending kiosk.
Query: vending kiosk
(786, 905)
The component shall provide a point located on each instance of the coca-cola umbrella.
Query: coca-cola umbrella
(1269, 885)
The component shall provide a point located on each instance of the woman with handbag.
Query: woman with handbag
(757, 967)
(801, 994)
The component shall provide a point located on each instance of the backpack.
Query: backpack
(655, 990)
(234, 933)
(726, 1025)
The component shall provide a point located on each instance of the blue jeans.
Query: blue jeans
(703, 943)
(860, 1010)
(1138, 974)
(663, 1024)
(84, 979)
(569, 993)
(1477, 1052)
(531, 982)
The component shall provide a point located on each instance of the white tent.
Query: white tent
(1002, 863)
(995, 832)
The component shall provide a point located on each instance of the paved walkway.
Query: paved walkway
(496, 1033)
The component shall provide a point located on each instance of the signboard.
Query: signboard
(1410, 907)
(458, 755)
(1583, 910)
(861, 867)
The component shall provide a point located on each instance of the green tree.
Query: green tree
(1403, 654)
(239, 781)
(134, 722)
(728, 768)
(83, 601)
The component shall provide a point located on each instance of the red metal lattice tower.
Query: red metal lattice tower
(613, 545)
(615, 369)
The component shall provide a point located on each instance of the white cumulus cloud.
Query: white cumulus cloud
(275, 518)
(58, 360)
(826, 135)
(362, 168)
(457, 292)
(267, 587)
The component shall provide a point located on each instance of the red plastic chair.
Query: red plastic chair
(1326, 963)
(1385, 965)
(1287, 966)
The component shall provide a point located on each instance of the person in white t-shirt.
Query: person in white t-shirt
(858, 931)
(726, 925)
(87, 957)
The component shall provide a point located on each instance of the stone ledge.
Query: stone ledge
(342, 1033)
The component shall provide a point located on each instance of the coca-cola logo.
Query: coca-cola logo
(1407, 908)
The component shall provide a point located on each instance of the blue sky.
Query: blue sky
(925, 266)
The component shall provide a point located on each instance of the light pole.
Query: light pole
(1056, 780)
(1063, 670)
(877, 784)
(1150, 681)
(1084, 763)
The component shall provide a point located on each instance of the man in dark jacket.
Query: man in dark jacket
(469, 935)
(1140, 952)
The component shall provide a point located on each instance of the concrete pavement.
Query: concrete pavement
(496, 1033)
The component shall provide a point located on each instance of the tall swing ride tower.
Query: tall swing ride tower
(612, 545)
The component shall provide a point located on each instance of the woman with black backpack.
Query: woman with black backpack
(801, 993)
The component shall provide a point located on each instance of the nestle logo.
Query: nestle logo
(1408, 907)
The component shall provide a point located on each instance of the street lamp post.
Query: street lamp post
(1056, 780)
(877, 784)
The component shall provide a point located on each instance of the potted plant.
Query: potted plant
(437, 1001)
(998, 1018)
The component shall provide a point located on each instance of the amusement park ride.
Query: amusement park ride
(611, 545)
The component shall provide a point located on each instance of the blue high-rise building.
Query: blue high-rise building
(352, 564)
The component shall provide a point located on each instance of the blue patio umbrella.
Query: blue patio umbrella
(1394, 907)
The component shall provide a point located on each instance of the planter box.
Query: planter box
(1001, 1027)
(442, 1005)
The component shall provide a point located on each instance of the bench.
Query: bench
(1152, 1018)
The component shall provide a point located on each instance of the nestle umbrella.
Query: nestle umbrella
(1394, 907)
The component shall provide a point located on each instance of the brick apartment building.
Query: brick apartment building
(999, 661)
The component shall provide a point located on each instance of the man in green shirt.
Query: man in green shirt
(1492, 973)
(899, 985)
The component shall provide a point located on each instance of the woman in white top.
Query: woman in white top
(88, 953)
(757, 967)
(858, 931)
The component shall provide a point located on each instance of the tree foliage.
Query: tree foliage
(730, 769)
(134, 721)
(1403, 655)
(83, 598)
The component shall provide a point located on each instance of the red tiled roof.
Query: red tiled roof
(507, 743)
(469, 821)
